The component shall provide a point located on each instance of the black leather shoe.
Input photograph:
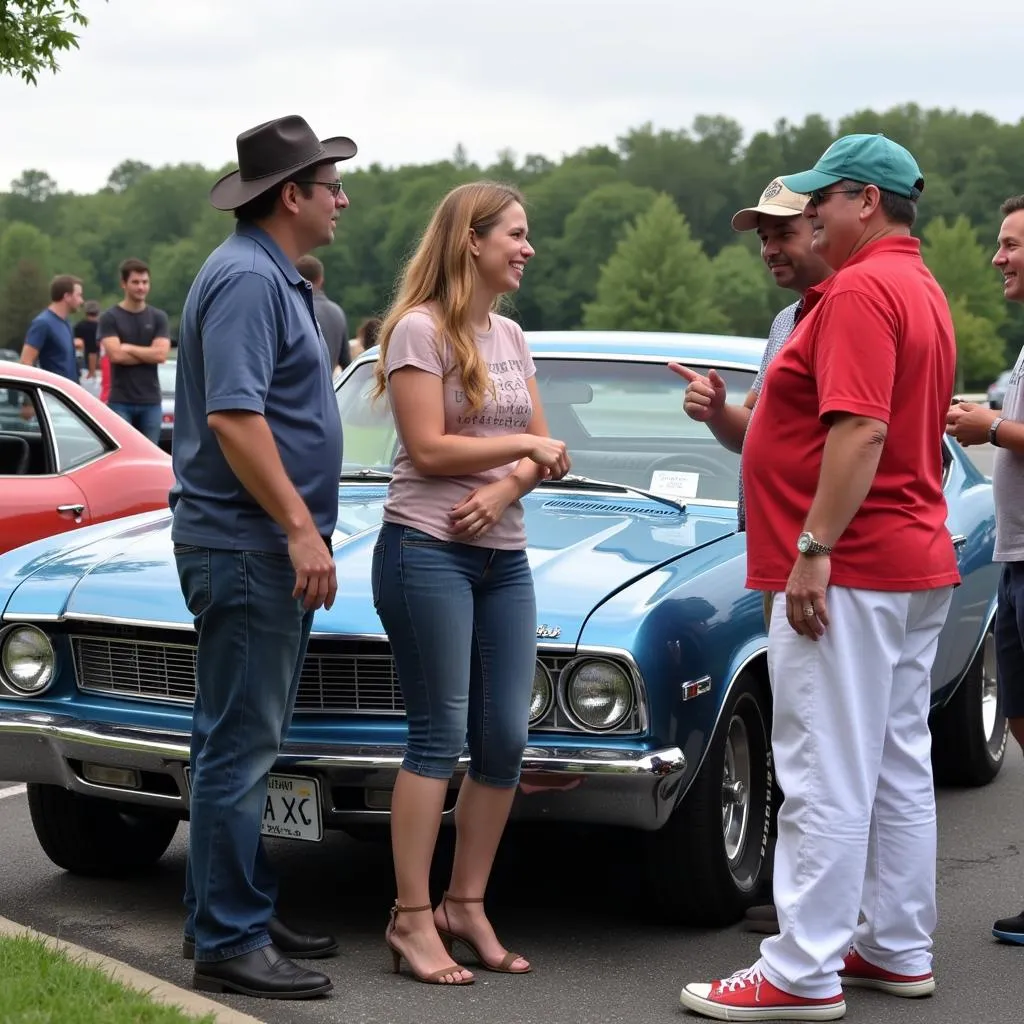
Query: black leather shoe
(291, 943)
(263, 973)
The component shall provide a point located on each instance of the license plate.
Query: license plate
(292, 807)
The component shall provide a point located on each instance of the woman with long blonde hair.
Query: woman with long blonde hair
(451, 581)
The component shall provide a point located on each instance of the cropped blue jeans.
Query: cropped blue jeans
(462, 623)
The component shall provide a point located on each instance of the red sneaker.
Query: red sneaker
(857, 971)
(749, 995)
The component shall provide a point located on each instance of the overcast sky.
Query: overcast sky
(168, 81)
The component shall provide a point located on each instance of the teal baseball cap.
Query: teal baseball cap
(870, 159)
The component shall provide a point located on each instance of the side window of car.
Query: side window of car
(74, 441)
(22, 448)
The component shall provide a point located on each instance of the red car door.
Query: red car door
(37, 499)
(38, 506)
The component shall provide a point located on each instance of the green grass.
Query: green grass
(41, 986)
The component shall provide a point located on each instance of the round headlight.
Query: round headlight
(27, 659)
(543, 694)
(599, 695)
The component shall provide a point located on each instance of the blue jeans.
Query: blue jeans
(462, 622)
(146, 419)
(252, 642)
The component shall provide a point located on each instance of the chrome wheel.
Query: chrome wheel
(992, 717)
(970, 730)
(736, 780)
(709, 862)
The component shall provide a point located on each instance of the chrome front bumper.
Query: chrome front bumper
(603, 786)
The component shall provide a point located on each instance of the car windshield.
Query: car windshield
(622, 421)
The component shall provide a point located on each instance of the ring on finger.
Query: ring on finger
(808, 611)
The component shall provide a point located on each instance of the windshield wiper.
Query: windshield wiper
(571, 480)
(589, 483)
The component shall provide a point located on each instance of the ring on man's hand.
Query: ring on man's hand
(808, 611)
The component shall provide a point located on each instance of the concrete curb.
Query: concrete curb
(156, 988)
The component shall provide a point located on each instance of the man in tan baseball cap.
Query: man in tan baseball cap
(786, 250)
(776, 201)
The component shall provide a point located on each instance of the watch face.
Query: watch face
(803, 542)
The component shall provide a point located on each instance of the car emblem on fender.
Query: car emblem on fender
(548, 632)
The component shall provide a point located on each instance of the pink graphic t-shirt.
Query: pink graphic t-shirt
(424, 502)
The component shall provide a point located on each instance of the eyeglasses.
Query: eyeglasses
(818, 196)
(334, 187)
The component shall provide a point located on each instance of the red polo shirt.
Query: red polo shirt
(875, 339)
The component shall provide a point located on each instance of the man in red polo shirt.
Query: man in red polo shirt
(844, 463)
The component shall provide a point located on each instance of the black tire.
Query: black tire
(969, 734)
(101, 838)
(709, 863)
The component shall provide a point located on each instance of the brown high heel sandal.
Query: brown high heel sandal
(435, 977)
(449, 938)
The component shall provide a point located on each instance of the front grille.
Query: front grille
(359, 679)
(353, 677)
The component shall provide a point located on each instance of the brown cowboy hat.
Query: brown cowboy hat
(269, 153)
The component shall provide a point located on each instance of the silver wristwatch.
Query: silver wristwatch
(993, 430)
(807, 545)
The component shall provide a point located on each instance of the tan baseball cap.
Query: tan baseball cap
(776, 200)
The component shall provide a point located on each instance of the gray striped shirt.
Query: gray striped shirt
(781, 329)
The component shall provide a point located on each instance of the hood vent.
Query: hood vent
(633, 508)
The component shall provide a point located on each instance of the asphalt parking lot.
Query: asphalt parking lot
(575, 903)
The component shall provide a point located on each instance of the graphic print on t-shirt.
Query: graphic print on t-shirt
(508, 405)
(425, 502)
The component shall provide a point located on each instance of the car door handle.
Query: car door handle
(76, 509)
(959, 540)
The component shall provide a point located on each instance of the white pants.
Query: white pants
(857, 823)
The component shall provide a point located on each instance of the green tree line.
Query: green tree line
(631, 237)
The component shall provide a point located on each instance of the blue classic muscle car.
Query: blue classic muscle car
(651, 702)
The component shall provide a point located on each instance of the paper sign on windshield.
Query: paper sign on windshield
(674, 484)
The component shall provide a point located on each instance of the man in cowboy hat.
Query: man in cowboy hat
(257, 454)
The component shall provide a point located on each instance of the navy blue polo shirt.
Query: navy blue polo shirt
(249, 341)
(54, 339)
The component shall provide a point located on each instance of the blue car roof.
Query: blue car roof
(705, 348)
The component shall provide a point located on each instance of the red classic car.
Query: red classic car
(66, 460)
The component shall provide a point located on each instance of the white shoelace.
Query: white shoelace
(741, 979)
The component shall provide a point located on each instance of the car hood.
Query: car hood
(582, 550)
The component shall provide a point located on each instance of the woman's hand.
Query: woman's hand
(481, 509)
(549, 454)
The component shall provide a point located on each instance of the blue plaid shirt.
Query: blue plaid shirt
(781, 329)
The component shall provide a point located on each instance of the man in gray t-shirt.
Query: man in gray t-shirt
(330, 316)
(971, 424)
(785, 236)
